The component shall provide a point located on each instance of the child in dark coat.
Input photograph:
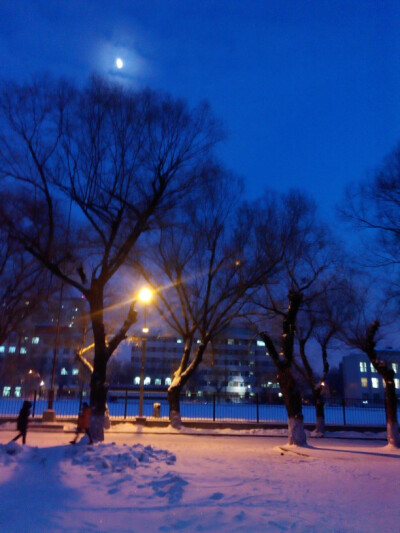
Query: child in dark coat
(22, 421)
(83, 423)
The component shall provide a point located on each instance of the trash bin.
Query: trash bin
(156, 410)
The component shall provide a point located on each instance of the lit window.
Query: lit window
(64, 372)
(6, 391)
(260, 343)
(2, 349)
(157, 381)
(35, 340)
(395, 367)
(12, 349)
(364, 382)
(22, 350)
(231, 341)
(397, 383)
(373, 370)
(75, 371)
(167, 381)
(17, 392)
(363, 367)
(147, 381)
(375, 383)
(179, 341)
(136, 381)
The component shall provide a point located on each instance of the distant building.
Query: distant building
(236, 363)
(361, 380)
(26, 358)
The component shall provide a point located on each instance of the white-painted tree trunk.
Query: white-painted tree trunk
(393, 436)
(296, 433)
(175, 419)
(319, 429)
(97, 427)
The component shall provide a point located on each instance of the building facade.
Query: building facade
(52, 338)
(360, 379)
(237, 363)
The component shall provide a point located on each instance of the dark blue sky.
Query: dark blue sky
(308, 91)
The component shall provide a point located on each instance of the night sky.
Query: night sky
(308, 91)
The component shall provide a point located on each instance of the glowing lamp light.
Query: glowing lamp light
(145, 330)
(119, 63)
(145, 295)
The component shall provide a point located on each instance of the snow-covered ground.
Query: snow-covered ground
(137, 481)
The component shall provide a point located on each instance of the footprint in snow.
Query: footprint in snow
(217, 496)
(171, 486)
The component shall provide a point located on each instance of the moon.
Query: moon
(119, 63)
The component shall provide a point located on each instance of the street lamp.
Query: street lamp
(144, 296)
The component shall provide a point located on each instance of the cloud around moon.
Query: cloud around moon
(122, 62)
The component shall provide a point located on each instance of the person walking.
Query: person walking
(83, 423)
(22, 421)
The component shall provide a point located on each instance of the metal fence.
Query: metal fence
(258, 408)
(63, 405)
(123, 404)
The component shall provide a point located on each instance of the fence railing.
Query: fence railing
(123, 404)
(63, 405)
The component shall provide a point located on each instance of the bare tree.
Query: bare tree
(362, 333)
(23, 286)
(201, 272)
(384, 369)
(322, 320)
(374, 205)
(88, 171)
(306, 256)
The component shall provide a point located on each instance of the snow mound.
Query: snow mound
(113, 458)
(124, 472)
(10, 452)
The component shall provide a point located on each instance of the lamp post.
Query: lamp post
(145, 296)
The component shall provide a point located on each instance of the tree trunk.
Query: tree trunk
(319, 413)
(98, 401)
(181, 377)
(290, 392)
(392, 425)
(292, 398)
(174, 393)
(98, 386)
(387, 374)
